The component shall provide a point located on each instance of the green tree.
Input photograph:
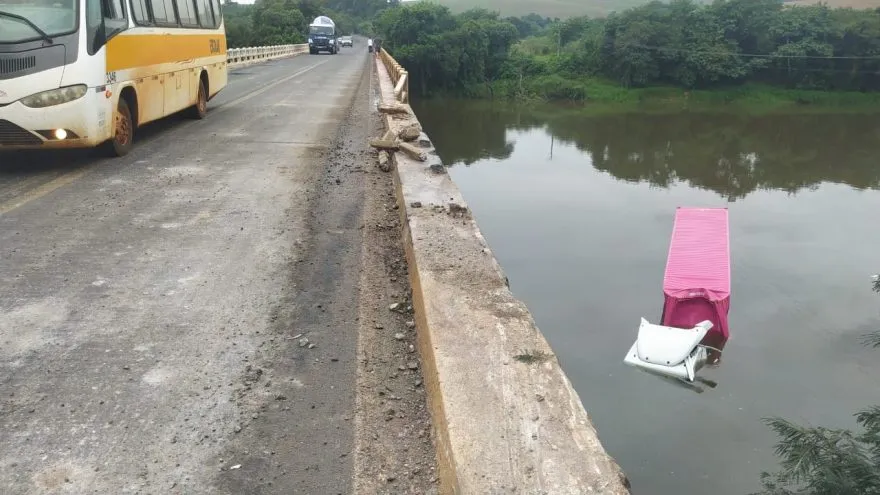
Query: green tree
(747, 22)
(799, 33)
(239, 30)
(826, 461)
(278, 22)
(366, 28)
(856, 34)
(628, 50)
(360, 9)
(529, 25)
(421, 37)
(312, 8)
(447, 52)
(682, 43)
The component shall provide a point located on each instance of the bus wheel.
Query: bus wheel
(200, 109)
(123, 136)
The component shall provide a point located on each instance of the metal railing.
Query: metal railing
(256, 53)
(399, 76)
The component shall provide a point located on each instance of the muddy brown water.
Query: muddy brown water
(578, 209)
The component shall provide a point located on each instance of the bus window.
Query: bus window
(140, 13)
(114, 10)
(205, 17)
(52, 17)
(104, 18)
(115, 19)
(93, 25)
(218, 14)
(163, 12)
(187, 13)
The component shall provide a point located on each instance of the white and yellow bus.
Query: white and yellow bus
(84, 73)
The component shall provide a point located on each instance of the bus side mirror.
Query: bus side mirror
(108, 28)
(102, 23)
(99, 37)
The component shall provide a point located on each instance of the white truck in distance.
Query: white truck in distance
(322, 36)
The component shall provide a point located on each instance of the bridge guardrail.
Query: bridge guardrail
(399, 76)
(236, 56)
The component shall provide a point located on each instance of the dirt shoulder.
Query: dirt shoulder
(394, 447)
(349, 333)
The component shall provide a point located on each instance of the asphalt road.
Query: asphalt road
(153, 308)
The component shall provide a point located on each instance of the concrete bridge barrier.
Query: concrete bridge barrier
(238, 57)
(399, 76)
(506, 417)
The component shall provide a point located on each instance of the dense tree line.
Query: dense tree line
(681, 43)
(452, 52)
(732, 41)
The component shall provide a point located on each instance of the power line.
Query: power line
(758, 55)
(817, 69)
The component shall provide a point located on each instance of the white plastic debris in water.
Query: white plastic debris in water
(669, 351)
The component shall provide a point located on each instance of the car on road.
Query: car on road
(346, 41)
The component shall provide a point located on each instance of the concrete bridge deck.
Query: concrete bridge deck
(227, 309)
(210, 313)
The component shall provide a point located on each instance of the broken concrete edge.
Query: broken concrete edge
(505, 415)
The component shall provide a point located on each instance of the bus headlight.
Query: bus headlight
(55, 96)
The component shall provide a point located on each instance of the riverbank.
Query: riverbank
(598, 96)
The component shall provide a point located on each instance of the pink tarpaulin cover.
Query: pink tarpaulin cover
(696, 285)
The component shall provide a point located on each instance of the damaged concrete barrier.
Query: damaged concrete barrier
(506, 417)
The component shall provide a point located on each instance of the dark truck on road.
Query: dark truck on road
(322, 36)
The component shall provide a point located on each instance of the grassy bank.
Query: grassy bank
(600, 96)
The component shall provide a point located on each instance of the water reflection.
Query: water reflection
(480, 133)
(732, 155)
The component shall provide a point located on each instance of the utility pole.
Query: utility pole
(558, 42)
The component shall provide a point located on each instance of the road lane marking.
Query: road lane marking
(44, 189)
(11, 189)
(48, 187)
(241, 99)
(258, 92)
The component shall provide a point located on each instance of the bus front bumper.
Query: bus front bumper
(81, 123)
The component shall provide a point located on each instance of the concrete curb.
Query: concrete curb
(506, 418)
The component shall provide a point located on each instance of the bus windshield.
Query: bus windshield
(312, 29)
(53, 17)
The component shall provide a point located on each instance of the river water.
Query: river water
(578, 209)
